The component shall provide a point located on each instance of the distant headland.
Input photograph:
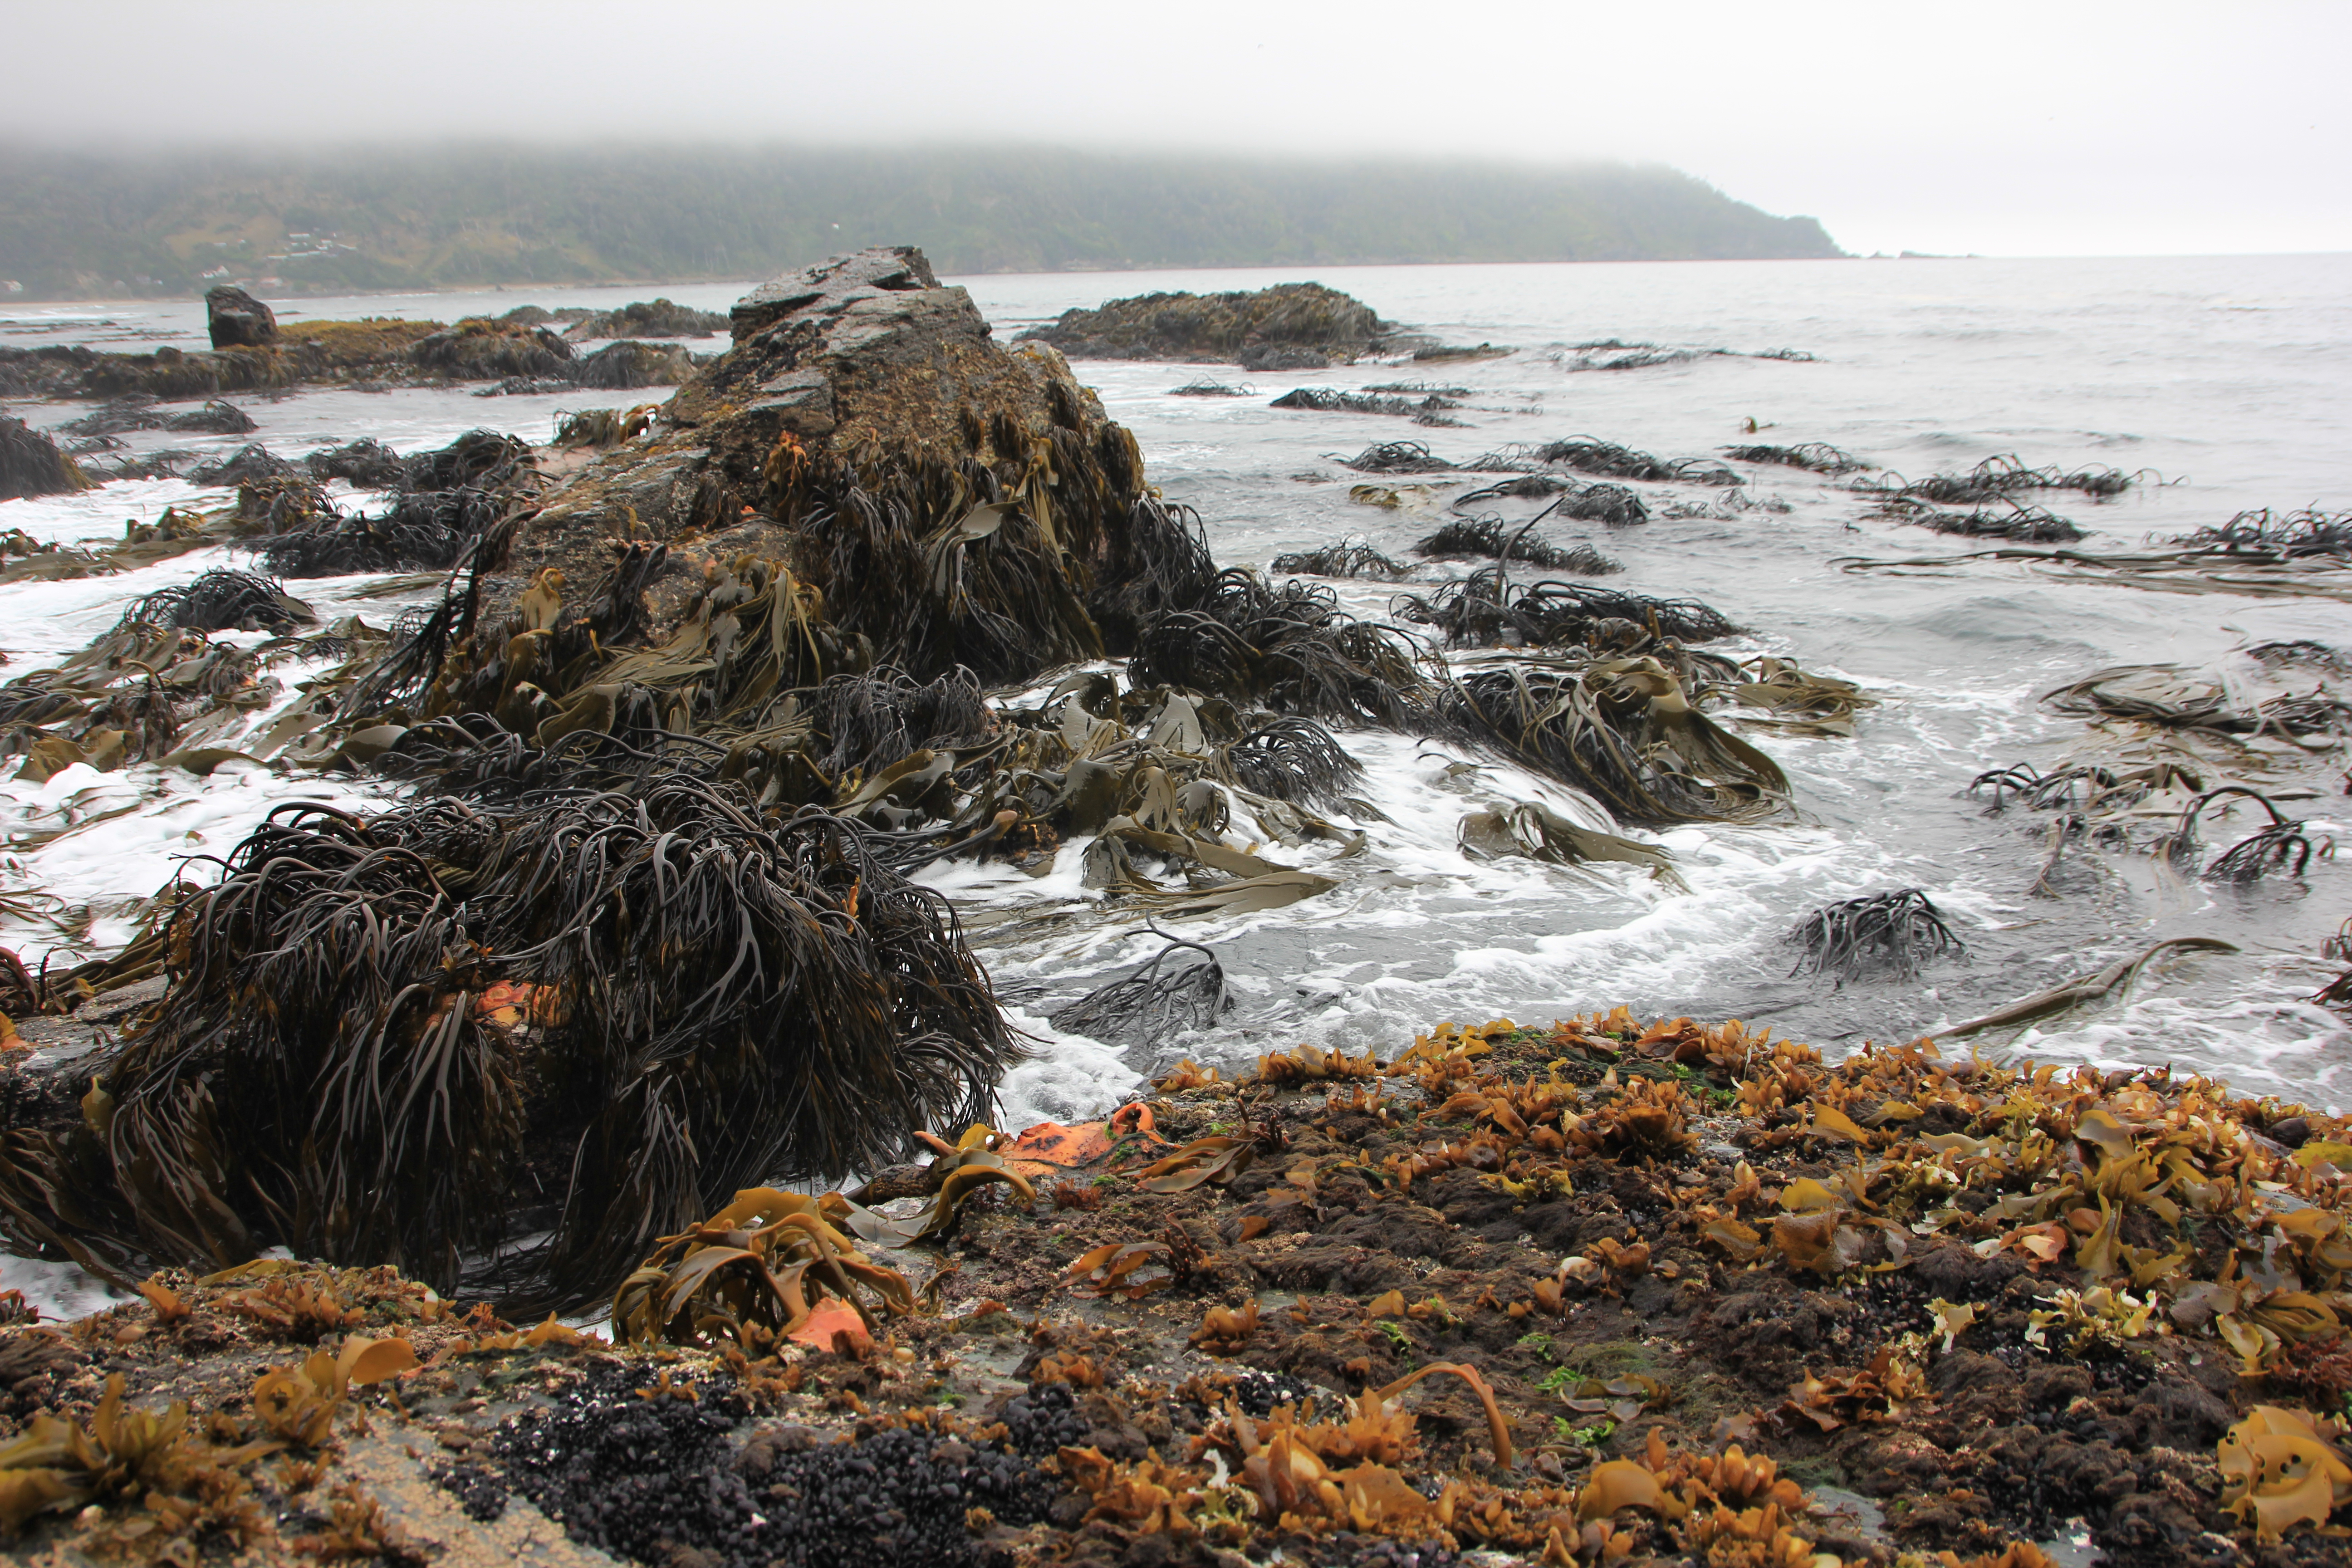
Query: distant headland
(113, 224)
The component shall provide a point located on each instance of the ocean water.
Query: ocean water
(2228, 381)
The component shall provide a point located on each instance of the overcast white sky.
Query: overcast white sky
(2053, 128)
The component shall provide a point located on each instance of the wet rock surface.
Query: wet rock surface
(235, 319)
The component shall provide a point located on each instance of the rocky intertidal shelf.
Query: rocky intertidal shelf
(1598, 1292)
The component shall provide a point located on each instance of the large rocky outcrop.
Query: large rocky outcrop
(239, 321)
(1290, 326)
(947, 499)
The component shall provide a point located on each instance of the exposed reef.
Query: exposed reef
(1289, 326)
(375, 351)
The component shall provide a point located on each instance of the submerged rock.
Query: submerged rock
(1290, 326)
(239, 321)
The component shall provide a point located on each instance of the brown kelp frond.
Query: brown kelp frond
(1533, 829)
(2005, 519)
(2276, 536)
(1293, 759)
(867, 721)
(1897, 932)
(1139, 1010)
(1430, 410)
(1290, 648)
(2172, 697)
(222, 601)
(1208, 386)
(2073, 994)
(1485, 609)
(1613, 505)
(2280, 846)
(1485, 537)
(1348, 558)
(1814, 457)
(367, 464)
(1399, 457)
(1621, 729)
(132, 1458)
(1054, 557)
(1591, 454)
(724, 996)
(756, 1272)
(2001, 477)
(445, 501)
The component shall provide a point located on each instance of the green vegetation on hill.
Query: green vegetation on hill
(82, 224)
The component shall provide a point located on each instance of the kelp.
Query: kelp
(1292, 759)
(31, 465)
(2281, 846)
(1347, 558)
(2171, 697)
(1399, 457)
(1485, 609)
(1591, 454)
(1522, 487)
(2073, 994)
(222, 601)
(1431, 410)
(1621, 729)
(1813, 456)
(756, 1272)
(1470, 537)
(1611, 505)
(717, 996)
(1139, 1010)
(1898, 932)
(368, 464)
(445, 501)
(2026, 524)
(2003, 478)
(1291, 649)
(1534, 830)
(2269, 536)
(1208, 386)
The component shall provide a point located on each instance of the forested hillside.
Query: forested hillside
(83, 224)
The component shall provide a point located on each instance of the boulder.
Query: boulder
(237, 319)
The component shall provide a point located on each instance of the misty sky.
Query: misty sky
(2054, 127)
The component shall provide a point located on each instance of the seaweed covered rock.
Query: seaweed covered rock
(235, 319)
(479, 349)
(1289, 326)
(31, 465)
(645, 319)
(936, 498)
(381, 1033)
